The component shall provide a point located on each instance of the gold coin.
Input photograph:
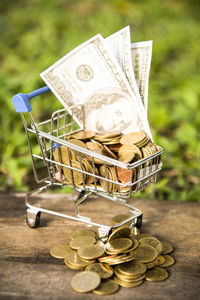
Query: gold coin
(160, 260)
(82, 242)
(124, 190)
(152, 241)
(156, 274)
(77, 175)
(132, 268)
(126, 276)
(127, 157)
(121, 260)
(88, 169)
(155, 147)
(145, 253)
(149, 149)
(110, 152)
(104, 271)
(101, 152)
(81, 233)
(119, 245)
(127, 284)
(114, 178)
(58, 157)
(66, 154)
(119, 218)
(91, 252)
(141, 236)
(143, 143)
(94, 145)
(112, 258)
(107, 287)
(85, 281)
(79, 144)
(107, 258)
(133, 138)
(62, 251)
(106, 173)
(130, 148)
(129, 278)
(134, 246)
(112, 142)
(145, 153)
(107, 135)
(167, 248)
(78, 262)
(169, 261)
(115, 147)
(81, 135)
(74, 267)
(152, 264)
(121, 232)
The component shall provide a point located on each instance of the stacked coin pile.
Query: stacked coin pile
(127, 148)
(125, 260)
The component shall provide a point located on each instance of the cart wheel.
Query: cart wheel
(139, 222)
(33, 219)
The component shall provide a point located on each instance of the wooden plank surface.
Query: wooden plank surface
(27, 270)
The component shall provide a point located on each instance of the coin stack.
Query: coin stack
(127, 149)
(125, 260)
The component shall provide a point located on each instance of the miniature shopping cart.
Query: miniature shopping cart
(51, 134)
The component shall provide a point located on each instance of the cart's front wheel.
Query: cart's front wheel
(33, 218)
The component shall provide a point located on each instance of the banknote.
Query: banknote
(119, 44)
(90, 75)
(141, 53)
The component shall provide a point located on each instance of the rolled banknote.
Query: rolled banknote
(119, 44)
(90, 75)
(141, 53)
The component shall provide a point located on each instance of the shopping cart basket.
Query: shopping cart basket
(51, 134)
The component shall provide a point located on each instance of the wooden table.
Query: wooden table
(27, 271)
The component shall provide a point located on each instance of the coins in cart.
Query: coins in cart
(84, 169)
(81, 135)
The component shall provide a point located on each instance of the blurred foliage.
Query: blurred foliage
(36, 33)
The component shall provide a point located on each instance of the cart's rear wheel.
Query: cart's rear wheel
(138, 223)
(33, 219)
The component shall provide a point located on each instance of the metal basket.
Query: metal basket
(52, 133)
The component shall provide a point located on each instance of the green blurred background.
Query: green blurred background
(36, 33)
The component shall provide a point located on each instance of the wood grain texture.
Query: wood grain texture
(27, 271)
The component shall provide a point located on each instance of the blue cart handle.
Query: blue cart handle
(21, 101)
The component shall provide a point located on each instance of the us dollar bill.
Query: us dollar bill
(90, 76)
(119, 44)
(141, 53)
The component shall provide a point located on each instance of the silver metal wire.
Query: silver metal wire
(60, 125)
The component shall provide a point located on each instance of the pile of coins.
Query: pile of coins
(126, 259)
(127, 148)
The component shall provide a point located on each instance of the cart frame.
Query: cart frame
(61, 124)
